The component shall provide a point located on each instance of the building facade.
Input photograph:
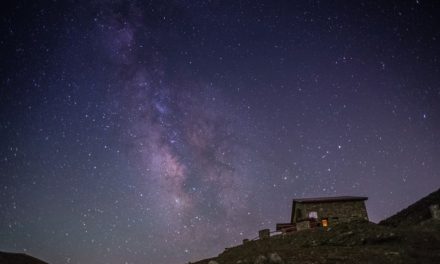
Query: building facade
(325, 211)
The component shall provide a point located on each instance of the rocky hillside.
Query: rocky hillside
(411, 236)
(18, 258)
(415, 213)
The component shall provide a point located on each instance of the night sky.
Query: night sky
(150, 132)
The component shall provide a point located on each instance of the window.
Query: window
(324, 222)
(313, 214)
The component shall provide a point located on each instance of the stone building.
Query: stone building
(324, 211)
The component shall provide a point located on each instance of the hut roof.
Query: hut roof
(330, 199)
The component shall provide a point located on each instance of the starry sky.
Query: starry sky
(164, 131)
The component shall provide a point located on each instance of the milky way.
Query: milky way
(183, 138)
(151, 132)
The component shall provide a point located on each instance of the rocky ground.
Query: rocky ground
(411, 236)
(360, 242)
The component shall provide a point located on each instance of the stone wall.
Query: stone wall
(340, 211)
(303, 225)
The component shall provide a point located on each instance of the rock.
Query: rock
(275, 258)
(260, 260)
(435, 211)
(212, 262)
(314, 243)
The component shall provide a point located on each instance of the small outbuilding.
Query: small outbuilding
(324, 211)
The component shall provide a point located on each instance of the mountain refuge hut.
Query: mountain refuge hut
(324, 211)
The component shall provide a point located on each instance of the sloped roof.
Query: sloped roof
(330, 199)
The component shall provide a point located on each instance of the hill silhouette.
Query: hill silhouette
(415, 213)
(18, 258)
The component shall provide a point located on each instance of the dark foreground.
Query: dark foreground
(360, 242)
(410, 236)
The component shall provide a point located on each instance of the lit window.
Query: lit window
(313, 215)
(324, 222)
